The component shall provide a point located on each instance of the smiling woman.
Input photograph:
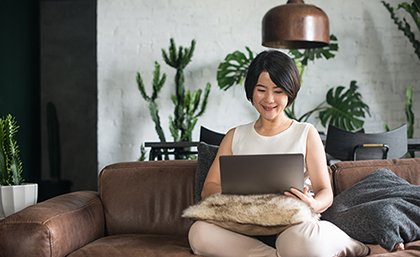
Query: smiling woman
(272, 84)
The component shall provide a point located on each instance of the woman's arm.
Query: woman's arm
(212, 182)
(318, 173)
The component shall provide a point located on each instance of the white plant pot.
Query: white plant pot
(16, 198)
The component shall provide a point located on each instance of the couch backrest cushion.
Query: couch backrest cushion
(346, 174)
(147, 197)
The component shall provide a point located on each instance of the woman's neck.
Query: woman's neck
(272, 127)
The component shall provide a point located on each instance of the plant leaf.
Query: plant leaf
(233, 69)
(304, 56)
(345, 109)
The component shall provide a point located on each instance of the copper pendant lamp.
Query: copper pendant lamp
(295, 25)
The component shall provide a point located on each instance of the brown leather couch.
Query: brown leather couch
(137, 212)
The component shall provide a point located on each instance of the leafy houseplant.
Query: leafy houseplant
(344, 109)
(11, 181)
(413, 10)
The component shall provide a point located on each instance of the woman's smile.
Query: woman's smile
(269, 108)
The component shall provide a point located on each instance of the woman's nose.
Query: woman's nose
(269, 97)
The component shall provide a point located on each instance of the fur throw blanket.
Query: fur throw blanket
(266, 214)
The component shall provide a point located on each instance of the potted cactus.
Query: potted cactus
(15, 195)
(189, 105)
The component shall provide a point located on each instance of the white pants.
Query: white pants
(308, 239)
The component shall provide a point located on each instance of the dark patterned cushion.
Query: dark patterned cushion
(206, 155)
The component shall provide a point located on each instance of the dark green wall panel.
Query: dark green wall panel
(19, 78)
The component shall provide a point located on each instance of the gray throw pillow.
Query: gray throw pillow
(206, 155)
(381, 209)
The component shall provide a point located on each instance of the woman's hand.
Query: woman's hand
(305, 196)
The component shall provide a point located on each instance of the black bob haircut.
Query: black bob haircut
(282, 70)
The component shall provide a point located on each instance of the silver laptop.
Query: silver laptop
(261, 174)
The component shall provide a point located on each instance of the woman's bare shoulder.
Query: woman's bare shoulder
(226, 144)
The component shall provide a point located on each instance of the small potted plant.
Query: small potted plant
(15, 195)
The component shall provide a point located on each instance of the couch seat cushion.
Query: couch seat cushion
(130, 245)
(412, 249)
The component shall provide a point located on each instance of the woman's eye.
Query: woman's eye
(278, 92)
(260, 90)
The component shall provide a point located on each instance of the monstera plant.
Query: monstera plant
(342, 108)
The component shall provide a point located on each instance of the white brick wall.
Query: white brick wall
(131, 34)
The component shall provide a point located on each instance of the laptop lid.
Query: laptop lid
(261, 174)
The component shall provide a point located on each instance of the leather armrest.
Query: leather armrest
(53, 228)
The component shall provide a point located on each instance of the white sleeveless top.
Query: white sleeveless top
(246, 140)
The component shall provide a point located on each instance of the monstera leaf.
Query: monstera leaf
(311, 54)
(345, 109)
(233, 69)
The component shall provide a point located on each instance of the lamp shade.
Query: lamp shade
(295, 25)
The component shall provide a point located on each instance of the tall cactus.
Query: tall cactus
(187, 103)
(157, 84)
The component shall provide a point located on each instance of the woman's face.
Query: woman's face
(269, 100)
